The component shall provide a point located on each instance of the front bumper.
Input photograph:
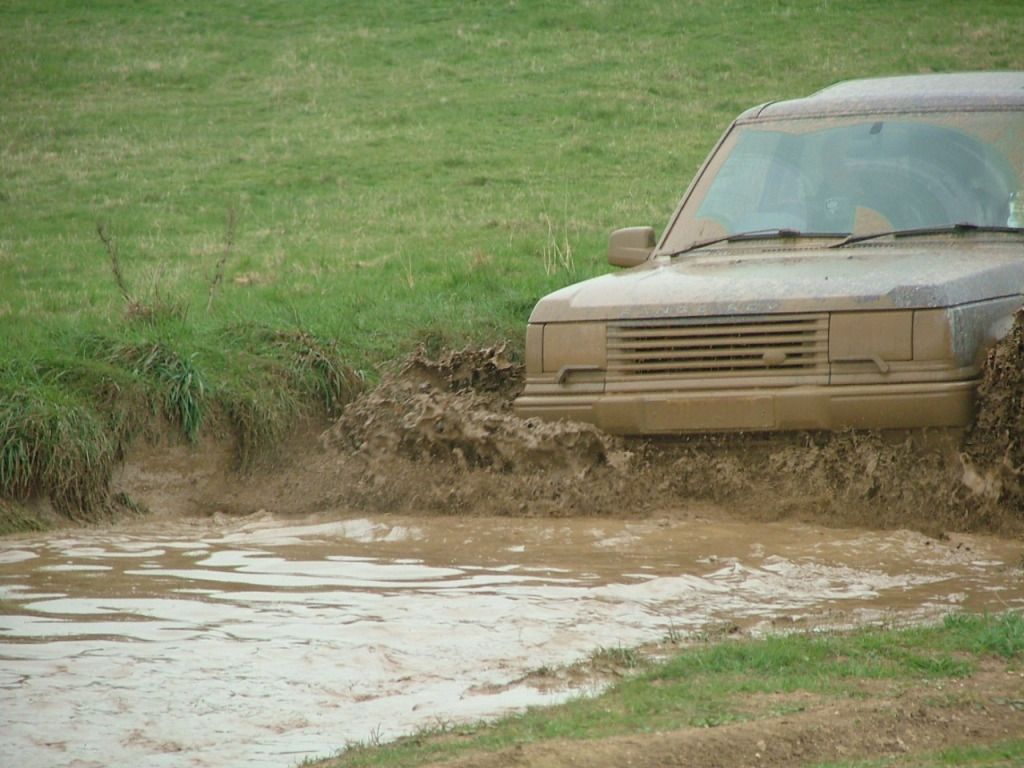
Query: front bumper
(831, 407)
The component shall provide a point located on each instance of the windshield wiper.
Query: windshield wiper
(945, 229)
(755, 234)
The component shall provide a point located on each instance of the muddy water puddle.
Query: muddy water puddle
(261, 641)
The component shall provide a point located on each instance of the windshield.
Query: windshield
(859, 175)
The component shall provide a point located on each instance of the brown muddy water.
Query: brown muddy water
(261, 641)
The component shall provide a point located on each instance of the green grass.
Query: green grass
(360, 176)
(711, 685)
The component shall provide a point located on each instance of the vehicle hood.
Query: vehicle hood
(746, 280)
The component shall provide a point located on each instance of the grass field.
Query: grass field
(293, 192)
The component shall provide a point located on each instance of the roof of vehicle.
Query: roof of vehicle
(910, 93)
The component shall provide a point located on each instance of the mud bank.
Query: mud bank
(438, 436)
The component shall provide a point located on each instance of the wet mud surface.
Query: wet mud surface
(260, 641)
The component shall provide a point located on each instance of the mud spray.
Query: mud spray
(438, 435)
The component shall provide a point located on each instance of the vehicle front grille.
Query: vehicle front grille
(708, 347)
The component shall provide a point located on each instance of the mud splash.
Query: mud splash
(457, 410)
(260, 641)
(994, 447)
(438, 435)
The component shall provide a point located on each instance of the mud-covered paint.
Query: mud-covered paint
(960, 91)
(975, 328)
(933, 272)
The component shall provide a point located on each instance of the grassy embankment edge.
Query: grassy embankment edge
(712, 685)
(66, 423)
(70, 413)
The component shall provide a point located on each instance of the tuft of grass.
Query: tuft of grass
(316, 368)
(179, 387)
(258, 416)
(54, 444)
(278, 377)
(65, 422)
(1001, 635)
(812, 662)
(617, 658)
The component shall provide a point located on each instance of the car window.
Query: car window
(843, 175)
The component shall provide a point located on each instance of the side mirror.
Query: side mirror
(631, 246)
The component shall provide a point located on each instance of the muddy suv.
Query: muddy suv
(841, 260)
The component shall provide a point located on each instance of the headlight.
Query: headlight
(932, 337)
(573, 345)
(878, 337)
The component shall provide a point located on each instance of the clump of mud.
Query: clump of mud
(438, 435)
(994, 446)
(456, 410)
